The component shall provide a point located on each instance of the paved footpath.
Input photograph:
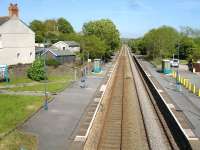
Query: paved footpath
(185, 101)
(55, 126)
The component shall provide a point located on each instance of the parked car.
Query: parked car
(174, 63)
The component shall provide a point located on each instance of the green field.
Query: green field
(15, 109)
(55, 84)
(17, 140)
(51, 87)
(18, 80)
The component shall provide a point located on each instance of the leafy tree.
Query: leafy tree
(195, 54)
(36, 71)
(51, 25)
(186, 46)
(104, 29)
(190, 32)
(137, 46)
(39, 28)
(160, 43)
(70, 37)
(93, 46)
(64, 26)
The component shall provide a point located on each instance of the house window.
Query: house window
(63, 48)
(18, 54)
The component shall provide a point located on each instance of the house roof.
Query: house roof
(57, 52)
(39, 49)
(4, 20)
(71, 43)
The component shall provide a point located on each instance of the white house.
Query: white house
(71, 46)
(17, 40)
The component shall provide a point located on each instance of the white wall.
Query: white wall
(60, 45)
(11, 56)
(18, 43)
(74, 49)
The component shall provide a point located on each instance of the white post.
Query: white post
(75, 74)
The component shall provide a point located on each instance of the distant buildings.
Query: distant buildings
(17, 40)
(62, 56)
(71, 46)
(62, 51)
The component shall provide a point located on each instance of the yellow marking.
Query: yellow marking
(194, 89)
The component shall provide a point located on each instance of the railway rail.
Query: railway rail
(131, 114)
(132, 122)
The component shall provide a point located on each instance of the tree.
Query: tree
(186, 46)
(39, 28)
(51, 25)
(190, 32)
(161, 42)
(70, 37)
(104, 29)
(94, 46)
(36, 71)
(137, 46)
(64, 26)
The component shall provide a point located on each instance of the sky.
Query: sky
(133, 18)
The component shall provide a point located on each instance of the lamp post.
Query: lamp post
(46, 80)
(178, 85)
(45, 84)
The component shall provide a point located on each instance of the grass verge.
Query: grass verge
(17, 140)
(51, 87)
(15, 109)
(55, 84)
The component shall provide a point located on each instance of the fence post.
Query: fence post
(190, 86)
(184, 82)
(199, 93)
(75, 72)
(194, 89)
(187, 84)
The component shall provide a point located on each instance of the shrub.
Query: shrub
(37, 71)
(52, 62)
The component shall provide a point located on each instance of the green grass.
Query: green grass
(17, 140)
(18, 80)
(55, 84)
(15, 109)
(59, 78)
(51, 87)
(183, 62)
(156, 62)
(24, 79)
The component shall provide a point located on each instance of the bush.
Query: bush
(37, 71)
(52, 62)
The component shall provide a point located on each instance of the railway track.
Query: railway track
(132, 121)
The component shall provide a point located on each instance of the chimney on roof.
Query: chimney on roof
(13, 10)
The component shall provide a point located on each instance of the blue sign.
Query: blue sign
(4, 72)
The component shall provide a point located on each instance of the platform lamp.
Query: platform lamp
(45, 77)
(178, 85)
(45, 84)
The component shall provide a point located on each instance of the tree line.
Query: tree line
(166, 42)
(98, 38)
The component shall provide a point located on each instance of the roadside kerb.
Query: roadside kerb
(106, 86)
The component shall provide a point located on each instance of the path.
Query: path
(55, 126)
(185, 101)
